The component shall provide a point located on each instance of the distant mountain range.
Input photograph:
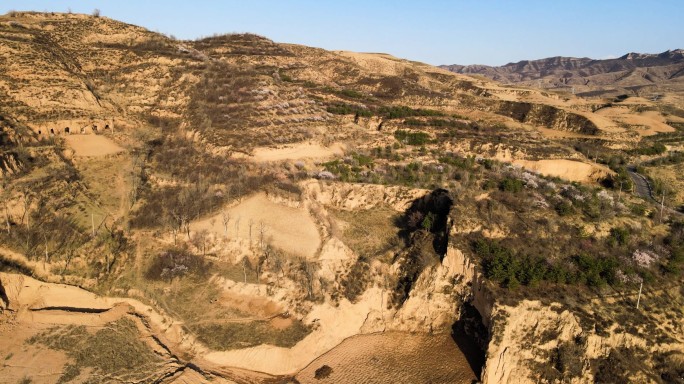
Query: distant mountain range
(631, 71)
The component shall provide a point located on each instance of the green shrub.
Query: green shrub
(638, 209)
(348, 109)
(398, 112)
(457, 161)
(595, 270)
(655, 149)
(489, 184)
(504, 266)
(351, 94)
(488, 163)
(510, 268)
(618, 236)
(511, 185)
(564, 208)
(412, 138)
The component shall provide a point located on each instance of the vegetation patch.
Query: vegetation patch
(13, 266)
(349, 109)
(176, 262)
(323, 372)
(113, 351)
(400, 112)
(224, 336)
(655, 149)
(412, 138)
(369, 233)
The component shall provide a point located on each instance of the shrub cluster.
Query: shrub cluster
(176, 262)
(387, 112)
(655, 149)
(398, 112)
(512, 268)
(675, 263)
(349, 109)
(412, 138)
(205, 182)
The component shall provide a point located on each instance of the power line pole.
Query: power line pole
(639, 296)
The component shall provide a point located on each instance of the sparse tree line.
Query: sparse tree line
(202, 183)
(38, 220)
(46, 236)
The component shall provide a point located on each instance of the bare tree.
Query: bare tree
(169, 220)
(251, 224)
(237, 227)
(115, 244)
(260, 265)
(245, 266)
(276, 264)
(7, 218)
(67, 259)
(199, 240)
(96, 12)
(27, 200)
(46, 260)
(262, 233)
(225, 219)
(186, 225)
(308, 269)
(137, 177)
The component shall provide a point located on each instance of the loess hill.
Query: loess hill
(232, 209)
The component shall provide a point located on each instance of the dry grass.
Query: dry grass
(115, 350)
(369, 233)
(670, 176)
(192, 301)
(223, 336)
(200, 306)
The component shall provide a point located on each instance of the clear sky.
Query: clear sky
(433, 31)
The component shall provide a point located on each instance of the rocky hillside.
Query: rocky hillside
(632, 71)
(231, 209)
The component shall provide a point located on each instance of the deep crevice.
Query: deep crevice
(71, 309)
(472, 337)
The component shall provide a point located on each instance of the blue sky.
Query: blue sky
(433, 31)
